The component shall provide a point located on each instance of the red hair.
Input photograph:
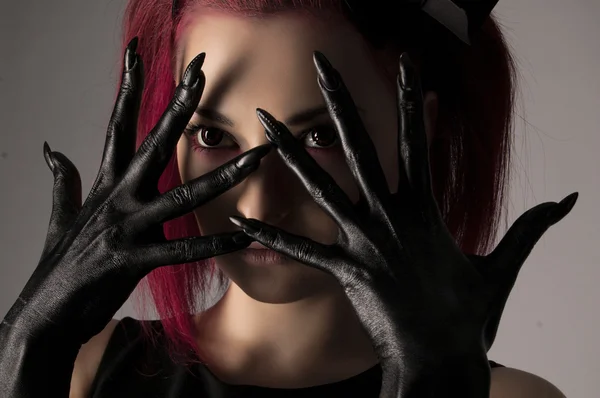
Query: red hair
(470, 152)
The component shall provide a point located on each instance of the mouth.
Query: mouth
(257, 253)
(257, 245)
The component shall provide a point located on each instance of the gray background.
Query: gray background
(58, 70)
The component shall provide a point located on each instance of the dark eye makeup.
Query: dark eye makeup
(205, 139)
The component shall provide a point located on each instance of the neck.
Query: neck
(312, 341)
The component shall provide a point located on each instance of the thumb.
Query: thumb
(66, 196)
(512, 251)
(504, 263)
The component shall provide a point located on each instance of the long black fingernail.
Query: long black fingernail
(245, 224)
(407, 72)
(193, 70)
(133, 44)
(270, 124)
(562, 208)
(48, 156)
(327, 74)
(252, 157)
(130, 55)
(568, 202)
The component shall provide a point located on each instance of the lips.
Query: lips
(257, 253)
(257, 245)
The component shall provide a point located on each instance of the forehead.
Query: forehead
(269, 60)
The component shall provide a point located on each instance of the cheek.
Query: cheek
(209, 217)
(210, 159)
(212, 216)
(193, 163)
(185, 161)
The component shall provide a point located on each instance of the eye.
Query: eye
(320, 137)
(207, 137)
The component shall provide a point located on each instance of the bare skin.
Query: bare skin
(285, 325)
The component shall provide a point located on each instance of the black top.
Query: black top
(129, 369)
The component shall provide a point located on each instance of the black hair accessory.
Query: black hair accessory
(461, 17)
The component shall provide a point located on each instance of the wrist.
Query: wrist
(33, 364)
(27, 323)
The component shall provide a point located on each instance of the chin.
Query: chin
(280, 283)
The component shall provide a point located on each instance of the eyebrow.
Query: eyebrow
(299, 118)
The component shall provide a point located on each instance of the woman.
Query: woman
(300, 319)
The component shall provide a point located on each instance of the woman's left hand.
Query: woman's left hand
(430, 310)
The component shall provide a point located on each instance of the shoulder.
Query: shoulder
(515, 383)
(88, 360)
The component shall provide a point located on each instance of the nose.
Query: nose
(271, 192)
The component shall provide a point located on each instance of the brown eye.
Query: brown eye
(209, 136)
(321, 137)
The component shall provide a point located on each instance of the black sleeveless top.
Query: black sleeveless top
(129, 369)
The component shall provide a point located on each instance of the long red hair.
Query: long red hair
(470, 155)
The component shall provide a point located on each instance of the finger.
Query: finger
(184, 198)
(359, 150)
(121, 135)
(119, 146)
(157, 149)
(523, 235)
(321, 186)
(188, 250)
(66, 197)
(413, 150)
(299, 248)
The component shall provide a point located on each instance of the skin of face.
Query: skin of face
(267, 63)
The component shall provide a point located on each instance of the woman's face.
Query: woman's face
(268, 64)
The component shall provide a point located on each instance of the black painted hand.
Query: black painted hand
(96, 254)
(430, 310)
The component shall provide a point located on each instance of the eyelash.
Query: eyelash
(193, 129)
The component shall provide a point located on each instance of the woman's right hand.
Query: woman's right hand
(96, 254)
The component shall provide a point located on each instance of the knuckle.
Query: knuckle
(150, 142)
(104, 184)
(304, 249)
(62, 170)
(226, 175)
(318, 193)
(184, 251)
(180, 103)
(107, 243)
(290, 158)
(114, 235)
(115, 125)
(181, 196)
(409, 106)
(112, 219)
(121, 260)
(322, 192)
(336, 108)
(107, 209)
(216, 245)
(128, 84)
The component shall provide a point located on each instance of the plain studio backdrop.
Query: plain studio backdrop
(59, 69)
